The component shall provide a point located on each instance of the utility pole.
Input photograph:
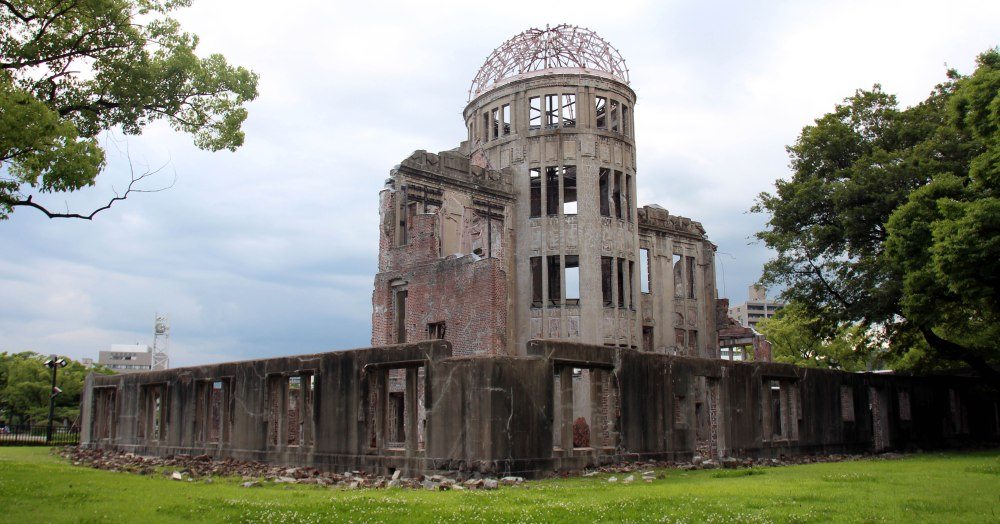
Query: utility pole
(55, 363)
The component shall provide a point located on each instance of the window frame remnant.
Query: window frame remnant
(436, 330)
(607, 279)
(569, 190)
(690, 277)
(604, 190)
(613, 115)
(571, 270)
(616, 194)
(552, 176)
(568, 111)
(554, 275)
(535, 190)
(677, 261)
(399, 294)
(645, 278)
(600, 112)
(551, 116)
(152, 420)
(534, 113)
(495, 124)
(537, 298)
(505, 115)
(621, 282)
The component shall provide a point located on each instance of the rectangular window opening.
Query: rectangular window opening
(616, 194)
(644, 280)
(678, 262)
(495, 122)
(534, 113)
(621, 282)
(601, 106)
(552, 191)
(647, 338)
(631, 286)
(551, 111)
(399, 314)
(602, 188)
(614, 116)
(569, 190)
(486, 127)
(572, 279)
(293, 412)
(535, 183)
(569, 110)
(555, 283)
(690, 277)
(625, 123)
(536, 281)
(505, 114)
(435, 331)
(606, 280)
(628, 197)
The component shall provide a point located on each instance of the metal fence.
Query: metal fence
(25, 435)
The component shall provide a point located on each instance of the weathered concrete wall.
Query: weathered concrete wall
(507, 414)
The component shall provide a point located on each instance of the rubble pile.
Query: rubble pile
(204, 468)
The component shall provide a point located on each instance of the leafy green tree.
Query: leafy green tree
(794, 336)
(889, 221)
(70, 69)
(25, 386)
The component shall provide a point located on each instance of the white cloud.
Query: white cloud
(271, 249)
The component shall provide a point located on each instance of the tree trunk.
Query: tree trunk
(952, 351)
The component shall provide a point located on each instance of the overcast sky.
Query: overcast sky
(271, 250)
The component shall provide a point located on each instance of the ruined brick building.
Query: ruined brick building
(529, 318)
(529, 229)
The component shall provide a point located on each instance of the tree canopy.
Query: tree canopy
(891, 221)
(25, 385)
(70, 69)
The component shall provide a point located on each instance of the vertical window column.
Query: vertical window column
(535, 186)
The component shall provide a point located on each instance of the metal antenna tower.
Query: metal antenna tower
(161, 342)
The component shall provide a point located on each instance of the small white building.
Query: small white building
(128, 358)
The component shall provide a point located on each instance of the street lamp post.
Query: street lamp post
(55, 363)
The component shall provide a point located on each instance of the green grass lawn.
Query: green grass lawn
(36, 486)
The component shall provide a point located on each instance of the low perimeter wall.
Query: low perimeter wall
(564, 406)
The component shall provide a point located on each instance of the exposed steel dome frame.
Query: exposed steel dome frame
(561, 47)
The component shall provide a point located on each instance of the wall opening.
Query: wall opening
(105, 413)
(644, 280)
(436, 331)
(614, 116)
(569, 190)
(210, 412)
(551, 111)
(606, 281)
(690, 277)
(290, 403)
(585, 408)
(399, 312)
(569, 110)
(534, 113)
(536, 281)
(552, 191)
(555, 286)
(397, 416)
(572, 279)
(505, 114)
(601, 108)
(625, 117)
(603, 188)
(152, 412)
(535, 184)
(647, 338)
(780, 409)
(678, 263)
(616, 194)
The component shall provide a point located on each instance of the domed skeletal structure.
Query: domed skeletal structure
(561, 47)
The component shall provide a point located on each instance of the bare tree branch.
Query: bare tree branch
(135, 179)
